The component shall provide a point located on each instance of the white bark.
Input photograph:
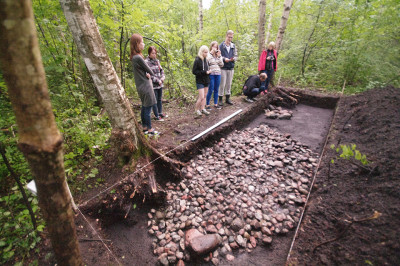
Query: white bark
(87, 37)
(261, 26)
(285, 16)
(269, 23)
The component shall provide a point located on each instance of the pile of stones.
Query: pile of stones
(273, 112)
(236, 196)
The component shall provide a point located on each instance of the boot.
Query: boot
(220, 103)
(228, 101)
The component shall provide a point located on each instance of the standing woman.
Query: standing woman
(202, 73)
(158, 81)
(267, 64)
(142, 74)
(215, 63)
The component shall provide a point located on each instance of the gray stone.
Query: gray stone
(237, 224)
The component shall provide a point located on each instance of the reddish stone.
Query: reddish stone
(253, 241)
(205, 243)
(234, 245)
(230, 257)
(211, 229)
(190, 234)
(180, 263)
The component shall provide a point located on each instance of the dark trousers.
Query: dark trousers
(270, 75)
(157, 108)
(145, 116)
(253, 93)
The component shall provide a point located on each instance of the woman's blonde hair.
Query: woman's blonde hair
(212, 44)
(202, 49)
(271, 44)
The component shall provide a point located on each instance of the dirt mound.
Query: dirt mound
(336, 228)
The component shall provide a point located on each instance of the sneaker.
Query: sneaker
(153, 133)
(163, 115)
(249, 100)
(159, 118)
(208, 107)
(221, 104)
(198, 113)
(204, 111)
(216, 106)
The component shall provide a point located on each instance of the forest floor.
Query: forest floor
(341, 193)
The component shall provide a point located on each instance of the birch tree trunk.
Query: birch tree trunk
(87, 38)
(261, 26)
(287, 5)
(200, 15)
(39, 138)
(271, 15)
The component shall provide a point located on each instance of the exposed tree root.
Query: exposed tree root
(282, 97)
(150, 169)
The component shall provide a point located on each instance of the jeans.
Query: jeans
(157, 108)
(253, 93)
(215, 80)
(265, 84)
(145, 116)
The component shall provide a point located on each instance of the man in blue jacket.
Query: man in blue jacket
(229, 57)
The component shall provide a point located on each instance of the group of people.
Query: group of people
(213, 68)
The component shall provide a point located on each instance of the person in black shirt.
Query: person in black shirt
(252, 86)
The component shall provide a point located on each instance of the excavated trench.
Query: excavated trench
(307, 128)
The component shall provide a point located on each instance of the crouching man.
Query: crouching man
(252, 86)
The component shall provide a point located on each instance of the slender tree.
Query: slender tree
(87, 38)
(271, 15)
(261, 26)
(200, 15)
(39, 139)
(287, 5)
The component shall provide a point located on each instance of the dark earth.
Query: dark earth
(338, 225)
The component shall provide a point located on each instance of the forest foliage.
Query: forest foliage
(327, 43)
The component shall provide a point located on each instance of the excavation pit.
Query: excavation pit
(134, 237)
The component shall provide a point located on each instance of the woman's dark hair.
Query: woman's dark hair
(151, 49)
(136, 39)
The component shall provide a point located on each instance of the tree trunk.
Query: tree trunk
(270, 22)
(39, 138)
(200, 15)
(282, 27)
(261, 26)
(87, 38)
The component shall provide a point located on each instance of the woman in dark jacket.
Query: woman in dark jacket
(144, 86)
(267, 64)
(202, 73)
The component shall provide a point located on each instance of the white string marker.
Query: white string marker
(217, 124)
